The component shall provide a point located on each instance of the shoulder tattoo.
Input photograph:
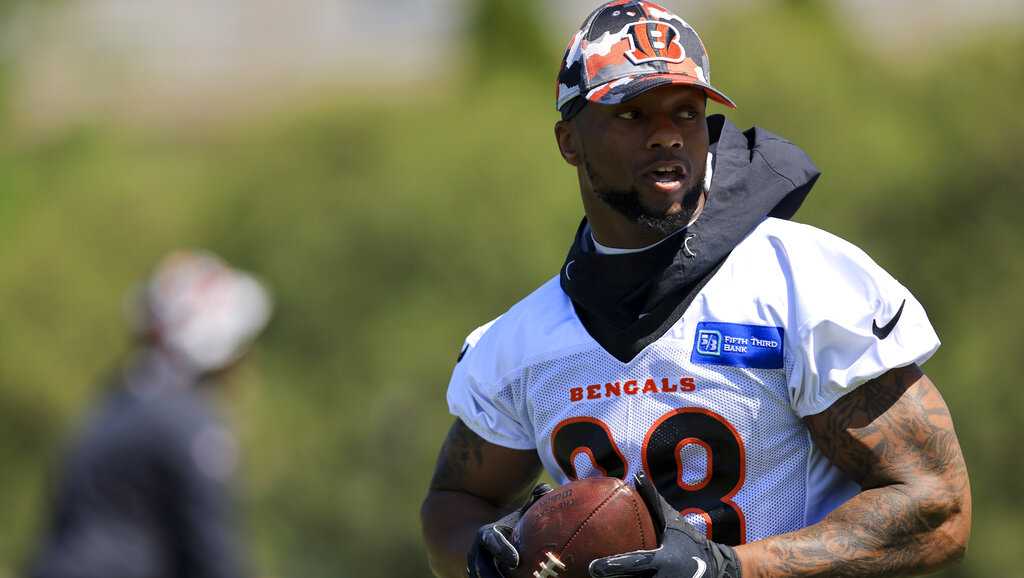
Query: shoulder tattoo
(462, 452)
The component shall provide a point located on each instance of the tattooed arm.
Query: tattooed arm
(895, 437)
(475, 482)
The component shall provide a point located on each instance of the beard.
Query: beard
(627, 203)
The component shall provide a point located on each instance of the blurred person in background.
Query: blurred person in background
(756, 378)
(144, 488)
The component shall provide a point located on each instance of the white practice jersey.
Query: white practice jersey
(794, 319)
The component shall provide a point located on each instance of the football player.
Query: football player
(761, 375)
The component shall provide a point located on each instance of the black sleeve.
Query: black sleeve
(199, 508)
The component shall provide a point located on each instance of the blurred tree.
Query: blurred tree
(508, 37)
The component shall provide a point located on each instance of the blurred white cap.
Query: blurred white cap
(203, 311)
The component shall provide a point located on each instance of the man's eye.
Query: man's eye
(628, 115)
(687, 114)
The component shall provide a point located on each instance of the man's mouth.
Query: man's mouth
(666, 176)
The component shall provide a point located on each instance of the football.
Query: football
(581, 521)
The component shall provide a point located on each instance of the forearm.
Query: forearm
(892, 530)
(450, 520)
(893, 435)
(475, 483)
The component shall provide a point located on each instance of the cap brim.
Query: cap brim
(623, 89)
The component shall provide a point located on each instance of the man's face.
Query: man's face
(644, 159)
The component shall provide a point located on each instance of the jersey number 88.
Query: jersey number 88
(710, 497)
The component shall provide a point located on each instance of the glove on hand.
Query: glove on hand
(492, 554)
(684, 552)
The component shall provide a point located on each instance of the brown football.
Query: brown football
(583, 520)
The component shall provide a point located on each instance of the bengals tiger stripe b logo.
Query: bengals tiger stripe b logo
(651, 41)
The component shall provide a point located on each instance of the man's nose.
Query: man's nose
(664, 133)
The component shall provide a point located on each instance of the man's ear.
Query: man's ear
(565, 137)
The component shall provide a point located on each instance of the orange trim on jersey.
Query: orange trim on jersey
(679, 464)
(727, 498)
(572, 456)
(593, 460)
(702, 514)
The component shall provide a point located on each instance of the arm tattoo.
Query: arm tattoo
(462, 452)
(895, 437)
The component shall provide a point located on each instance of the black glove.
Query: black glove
(684, 552)
(492, 554)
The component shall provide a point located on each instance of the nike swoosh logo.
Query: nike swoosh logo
(884, 331)
(701, 567)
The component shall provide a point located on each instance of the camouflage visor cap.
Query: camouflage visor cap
(627, 47)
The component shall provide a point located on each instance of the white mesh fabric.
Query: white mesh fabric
(773, 495)
(536, 379)
(695, 462)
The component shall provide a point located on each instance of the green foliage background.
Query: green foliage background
(391, 225)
